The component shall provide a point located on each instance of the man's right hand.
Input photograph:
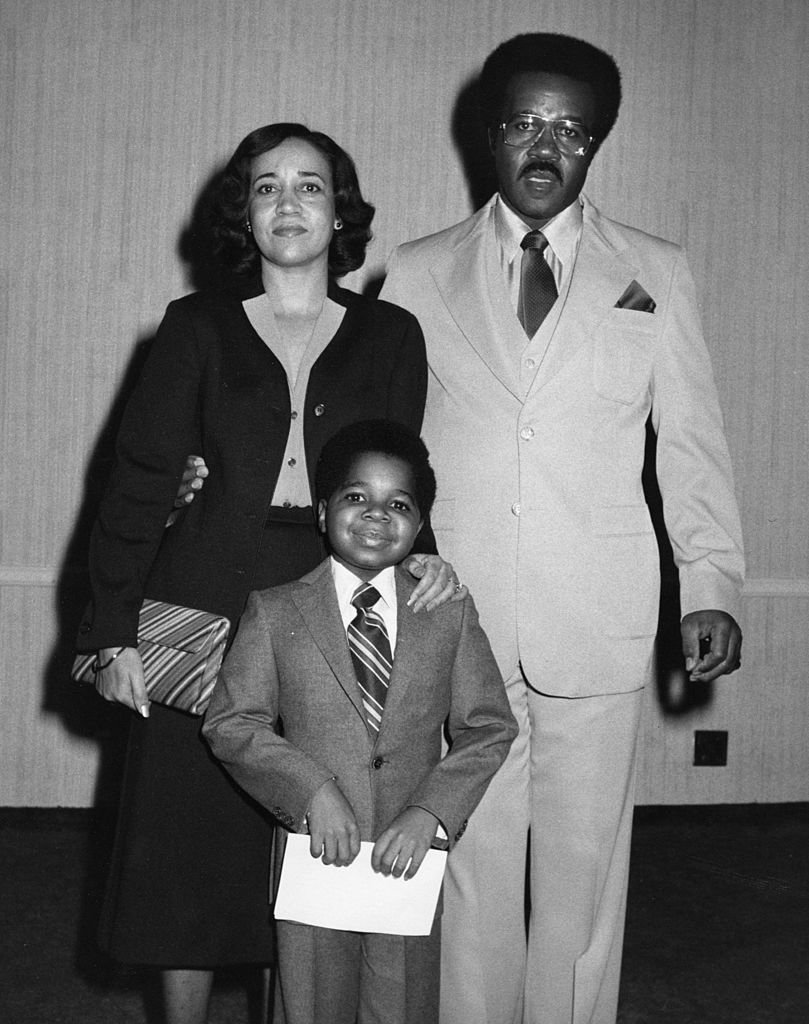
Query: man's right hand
(121, 680)
(193, 475)
(333, 830)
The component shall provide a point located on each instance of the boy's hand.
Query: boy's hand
(333, 829)
(407, 838)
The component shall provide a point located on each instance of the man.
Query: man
(544, 368)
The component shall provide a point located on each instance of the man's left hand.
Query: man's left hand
(720, 638)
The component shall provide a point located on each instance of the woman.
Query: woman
(255, 379)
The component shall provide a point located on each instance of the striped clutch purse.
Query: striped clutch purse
(181, 649)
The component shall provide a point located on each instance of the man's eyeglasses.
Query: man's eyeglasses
(570, 137)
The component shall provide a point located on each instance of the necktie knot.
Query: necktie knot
(365, 597)
(534, 240)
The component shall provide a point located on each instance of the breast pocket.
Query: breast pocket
(622, 365)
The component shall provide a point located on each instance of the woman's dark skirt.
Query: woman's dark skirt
(189, 880)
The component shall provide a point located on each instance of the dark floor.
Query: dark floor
(717, 929)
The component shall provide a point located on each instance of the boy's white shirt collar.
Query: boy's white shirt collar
(346, 582)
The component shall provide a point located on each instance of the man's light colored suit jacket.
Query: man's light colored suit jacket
(538, 448)
(289, 670)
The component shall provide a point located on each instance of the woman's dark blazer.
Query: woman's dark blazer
(212, 387)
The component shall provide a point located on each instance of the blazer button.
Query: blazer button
(320, 409)
(378, 762)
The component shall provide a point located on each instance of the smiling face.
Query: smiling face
(538, 181)
(372, 519)
(291, 208)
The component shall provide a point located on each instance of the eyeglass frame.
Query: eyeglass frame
(547, 122)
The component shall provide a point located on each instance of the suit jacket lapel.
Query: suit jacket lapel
(412, 632)
(317, 603)
(600, 277)
(471, 286)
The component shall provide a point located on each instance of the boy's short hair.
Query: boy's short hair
(385, 437)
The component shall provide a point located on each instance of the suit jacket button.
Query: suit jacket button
(378, 762)
(320, 409)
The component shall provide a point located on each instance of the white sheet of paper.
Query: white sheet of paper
(356, 898)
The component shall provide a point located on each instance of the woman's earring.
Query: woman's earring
(338, 224)
(249, 228)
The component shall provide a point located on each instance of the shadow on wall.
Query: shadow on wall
(80, 709)
(82, 712)
(471, 141)
(195, 246)
(676, 694)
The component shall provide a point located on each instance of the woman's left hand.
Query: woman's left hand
(437, 582)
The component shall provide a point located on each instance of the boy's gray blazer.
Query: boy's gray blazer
(289, 671)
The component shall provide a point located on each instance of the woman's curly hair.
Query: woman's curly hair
(234, 245)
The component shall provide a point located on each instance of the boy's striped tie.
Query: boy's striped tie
(370, 651)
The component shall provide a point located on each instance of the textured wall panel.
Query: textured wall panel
(115, 115)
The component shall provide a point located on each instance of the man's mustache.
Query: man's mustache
(542, 165)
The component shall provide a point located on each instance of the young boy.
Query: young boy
(330, 713)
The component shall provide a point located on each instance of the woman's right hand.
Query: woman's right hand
(191, 482)
(121, 681)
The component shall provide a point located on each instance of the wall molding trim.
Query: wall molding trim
(49, 576)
